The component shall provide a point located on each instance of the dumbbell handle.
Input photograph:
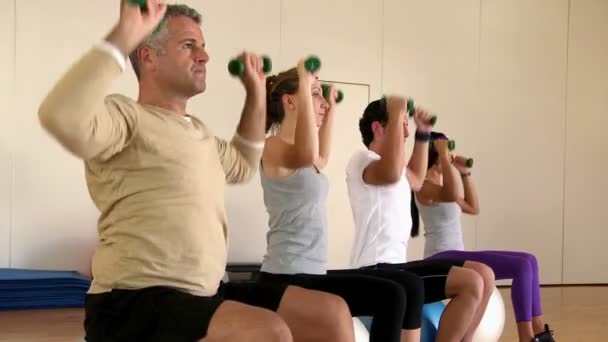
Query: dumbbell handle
(451, 144)
(411, 109)
(141, 3)
(236, 67)
(468, 162)
(340, 96)
(326, 88)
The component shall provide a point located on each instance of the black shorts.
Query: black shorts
(365, 295)
(163, 314)
(434, 273)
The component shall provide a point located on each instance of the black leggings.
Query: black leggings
(434, 273)
(409, 282)
(365, 295)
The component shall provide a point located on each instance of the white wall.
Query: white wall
(347, 38)
(511, 81)
(7, 86)
(54, 220)
(586, 157)
(520, 128)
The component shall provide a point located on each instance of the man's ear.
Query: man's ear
(146, 57)
(377, 129)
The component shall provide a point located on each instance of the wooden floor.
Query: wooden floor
(575, 314)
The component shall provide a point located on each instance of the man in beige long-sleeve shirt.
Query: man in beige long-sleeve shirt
(157, 176)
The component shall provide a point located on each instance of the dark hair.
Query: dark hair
(433, 156)
(285, 82)
(375, 111)
(415, 217)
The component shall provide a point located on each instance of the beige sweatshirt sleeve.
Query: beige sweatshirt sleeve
(77, 113)
(239, 159)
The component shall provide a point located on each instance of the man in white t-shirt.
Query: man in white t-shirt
(380, 190)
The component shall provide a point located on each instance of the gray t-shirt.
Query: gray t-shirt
(442, 228)
(297, 236)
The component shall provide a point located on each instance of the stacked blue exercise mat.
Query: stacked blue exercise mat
(22, 289)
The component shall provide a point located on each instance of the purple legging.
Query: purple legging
(519, 266)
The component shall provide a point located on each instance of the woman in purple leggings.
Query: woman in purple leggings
(440, 206)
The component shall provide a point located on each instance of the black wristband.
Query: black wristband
(422, 136)
(468, 174)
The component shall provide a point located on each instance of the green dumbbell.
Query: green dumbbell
(468, 162)
(236, 67)
(411, 109)
(144, 7)
(312, 63)
(142, 3)
(410, 106)
(340, 96)
(451, 145)
(326, 88)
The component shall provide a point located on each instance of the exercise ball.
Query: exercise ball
(367, 322)
(493, 322)
(431, 314)
(489, 330)
(361, 333)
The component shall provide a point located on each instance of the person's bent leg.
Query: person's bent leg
(414, 294)
(465, 288)
(158, 314)
(316, 316)
(507, 265)
(310, 315)
(538, 324)
(365, 296)
(489, 284)
(538, 327)
(446, 279)
(233, 321)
